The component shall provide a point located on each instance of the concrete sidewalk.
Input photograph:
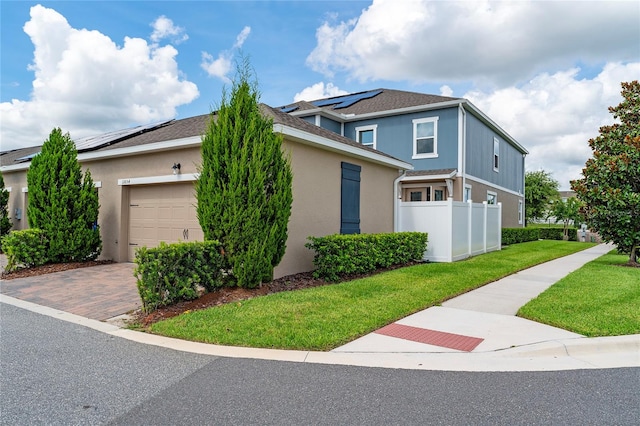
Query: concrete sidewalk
(485, 316)
(473, 332)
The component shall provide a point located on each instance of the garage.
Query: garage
(164, 212)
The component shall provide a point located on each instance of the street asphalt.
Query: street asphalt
(58, 372)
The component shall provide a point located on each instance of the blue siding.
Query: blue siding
(332, 125)
(479, 157)
(395, 137)
(310, 118)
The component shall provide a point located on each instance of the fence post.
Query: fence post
(484, 226)
(499, 226)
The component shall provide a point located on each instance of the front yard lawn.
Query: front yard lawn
(326, 317)
(600, 299)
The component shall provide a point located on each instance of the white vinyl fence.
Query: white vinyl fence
(456, 230)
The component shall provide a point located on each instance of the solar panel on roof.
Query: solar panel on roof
(289, 108)
(346, 100)
(98, 141)
(26, 157)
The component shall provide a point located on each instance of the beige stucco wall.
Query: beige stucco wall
(316, 196)
(509, 202)
(316, 201)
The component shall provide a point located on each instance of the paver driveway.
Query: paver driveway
(97, 292)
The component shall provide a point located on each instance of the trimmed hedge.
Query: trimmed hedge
(521, 235)
(171, 273)
(27, 248)
(558, 234)
(338, 255)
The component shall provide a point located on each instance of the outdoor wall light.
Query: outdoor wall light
(176, 168)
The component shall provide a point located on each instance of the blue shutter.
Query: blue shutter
(350, 199)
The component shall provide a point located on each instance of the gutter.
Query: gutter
(396, 200)
(464, 148)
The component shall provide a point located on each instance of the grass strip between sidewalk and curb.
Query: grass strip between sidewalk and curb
(600, 299)
(326, 317)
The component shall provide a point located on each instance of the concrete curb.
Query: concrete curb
(567, 354)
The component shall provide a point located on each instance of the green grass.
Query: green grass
(600, 299)
(325, 317)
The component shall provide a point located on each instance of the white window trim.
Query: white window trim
(495, 197)
(417, 121)
(496, 154)
(469, 187)
(373, 127)
(520, 212)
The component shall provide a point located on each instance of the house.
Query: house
(456, 151)
(145, 181)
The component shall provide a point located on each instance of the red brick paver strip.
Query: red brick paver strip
(431, 337)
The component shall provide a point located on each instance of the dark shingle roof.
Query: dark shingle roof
(195, 127)
(430, 172)
(386, 100)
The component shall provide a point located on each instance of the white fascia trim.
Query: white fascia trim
(330, 145)
(134, 150)
(400, 111)
(493, 185)
(429, 177)
(123, 152)
(187, 177)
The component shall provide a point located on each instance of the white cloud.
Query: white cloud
(554, 115)
(221, 66)
(240, 39)
(318, 91)
(163, 28)
(497, 42)
(86, 84)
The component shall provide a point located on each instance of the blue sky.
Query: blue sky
(545, 71)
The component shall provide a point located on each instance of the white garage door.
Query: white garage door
(162, 213)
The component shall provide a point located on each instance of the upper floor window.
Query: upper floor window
(366, 135)
(425, 137)
(496, 154)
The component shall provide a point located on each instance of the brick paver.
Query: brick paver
(97, 292)
(431, 337)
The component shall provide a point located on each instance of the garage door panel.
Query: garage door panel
(162, 213)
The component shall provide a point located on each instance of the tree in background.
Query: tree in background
(244, 188)
(567, 212)
(62, 203)
(540, 189)
(5, 223)
(610, 187)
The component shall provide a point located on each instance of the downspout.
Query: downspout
(396, 200)
(464, 149)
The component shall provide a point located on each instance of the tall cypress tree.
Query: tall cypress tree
(5, 223)
(244, 187)
(62, 203)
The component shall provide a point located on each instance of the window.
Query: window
(438, 195)
(520, 212)
(492, 197)
(467, 193)
(496, 154)
(416, 196)
(425, 137)
(366, 135)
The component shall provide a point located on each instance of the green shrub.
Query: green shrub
(173, 272)
(26, 248)
(337, 256)
(551, 233)
(63, 201)
(519, 235)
